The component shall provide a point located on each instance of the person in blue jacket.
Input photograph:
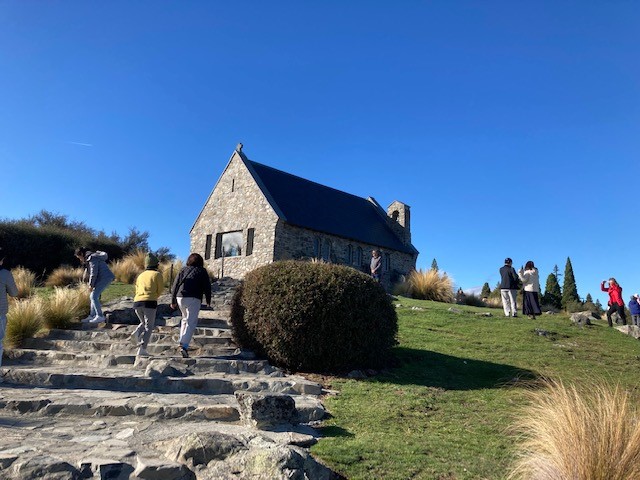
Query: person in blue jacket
(634, 308)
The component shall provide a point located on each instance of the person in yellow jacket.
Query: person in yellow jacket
(149, 286)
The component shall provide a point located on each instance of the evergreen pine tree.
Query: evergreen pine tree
(589, 298)
(486, 290)
(552, 294)
(569, 288)
(434, 265)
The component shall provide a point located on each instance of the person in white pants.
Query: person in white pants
(188, 288)
(509, 284)
(7, 287)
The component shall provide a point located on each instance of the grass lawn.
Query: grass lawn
(113, 291)
(444, 411)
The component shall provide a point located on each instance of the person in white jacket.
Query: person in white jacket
(531, 284)
(7, 287)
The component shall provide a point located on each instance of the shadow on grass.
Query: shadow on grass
(431, 369)
(334, 431)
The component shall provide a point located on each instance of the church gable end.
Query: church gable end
(235, 231)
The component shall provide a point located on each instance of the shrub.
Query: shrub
(472, 301)
(24, 320)
(586, 433)
(314, 317)
(493, 302)
(43, 249)
(64, 306)
(428, 285)
(64, 276)
(572, 306)
(25, 281)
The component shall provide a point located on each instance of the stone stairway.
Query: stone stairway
(80, 404)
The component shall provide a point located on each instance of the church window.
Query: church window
(229, 244)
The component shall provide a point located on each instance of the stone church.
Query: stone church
(256, 214)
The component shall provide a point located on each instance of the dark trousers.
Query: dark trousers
(614, 307)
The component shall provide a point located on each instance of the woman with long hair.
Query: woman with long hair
(188, 288)
(531, 284)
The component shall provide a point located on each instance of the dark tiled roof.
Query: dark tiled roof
(310, 205)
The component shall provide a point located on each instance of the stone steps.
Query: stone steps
(81, 404)
(124, 380)
(224, 364)
(101, 403)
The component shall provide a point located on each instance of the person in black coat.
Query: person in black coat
(509, 284)
(191, 284)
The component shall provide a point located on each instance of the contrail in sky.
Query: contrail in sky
(81, 144)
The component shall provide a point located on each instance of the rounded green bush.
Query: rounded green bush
(314, 317)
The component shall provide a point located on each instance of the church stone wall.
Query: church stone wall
(236, 204)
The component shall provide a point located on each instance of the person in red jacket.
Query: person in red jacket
(616, 304)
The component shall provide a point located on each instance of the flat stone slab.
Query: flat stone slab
(86, 444)
(106, 403)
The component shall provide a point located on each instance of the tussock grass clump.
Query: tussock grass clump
(167, 274)
(25, 281)
(126, 270)
(64, 276)
(137, 258)
(589, 433)
(64, 306)
(427, 285)
(24, 320)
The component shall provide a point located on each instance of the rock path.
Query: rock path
(79, 404)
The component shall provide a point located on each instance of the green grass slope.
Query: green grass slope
(445, 410)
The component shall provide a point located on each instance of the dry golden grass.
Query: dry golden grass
(167, 274)
(137, 257)
(126, 269)
(427, 285)
(588, 433)
(64, 306)
(64, 276)
(25, 281)
(24, 320)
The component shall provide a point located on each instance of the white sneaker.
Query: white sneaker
(142, 352)
(98, 319)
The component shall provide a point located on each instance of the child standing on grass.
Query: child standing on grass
(634, 308)
(99, 278)
(149, 286)
(188, 288)
(616, 304)
(7, 287)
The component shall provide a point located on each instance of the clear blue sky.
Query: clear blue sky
(511, 128)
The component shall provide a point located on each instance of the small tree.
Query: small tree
(434, 265)
(599, 306)
(552, 294)
(569, 287)
(486, 290)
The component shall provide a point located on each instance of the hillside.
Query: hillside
(445, 410)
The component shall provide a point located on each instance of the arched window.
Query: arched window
(395, 215)
(358, 259)
(349, 254)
